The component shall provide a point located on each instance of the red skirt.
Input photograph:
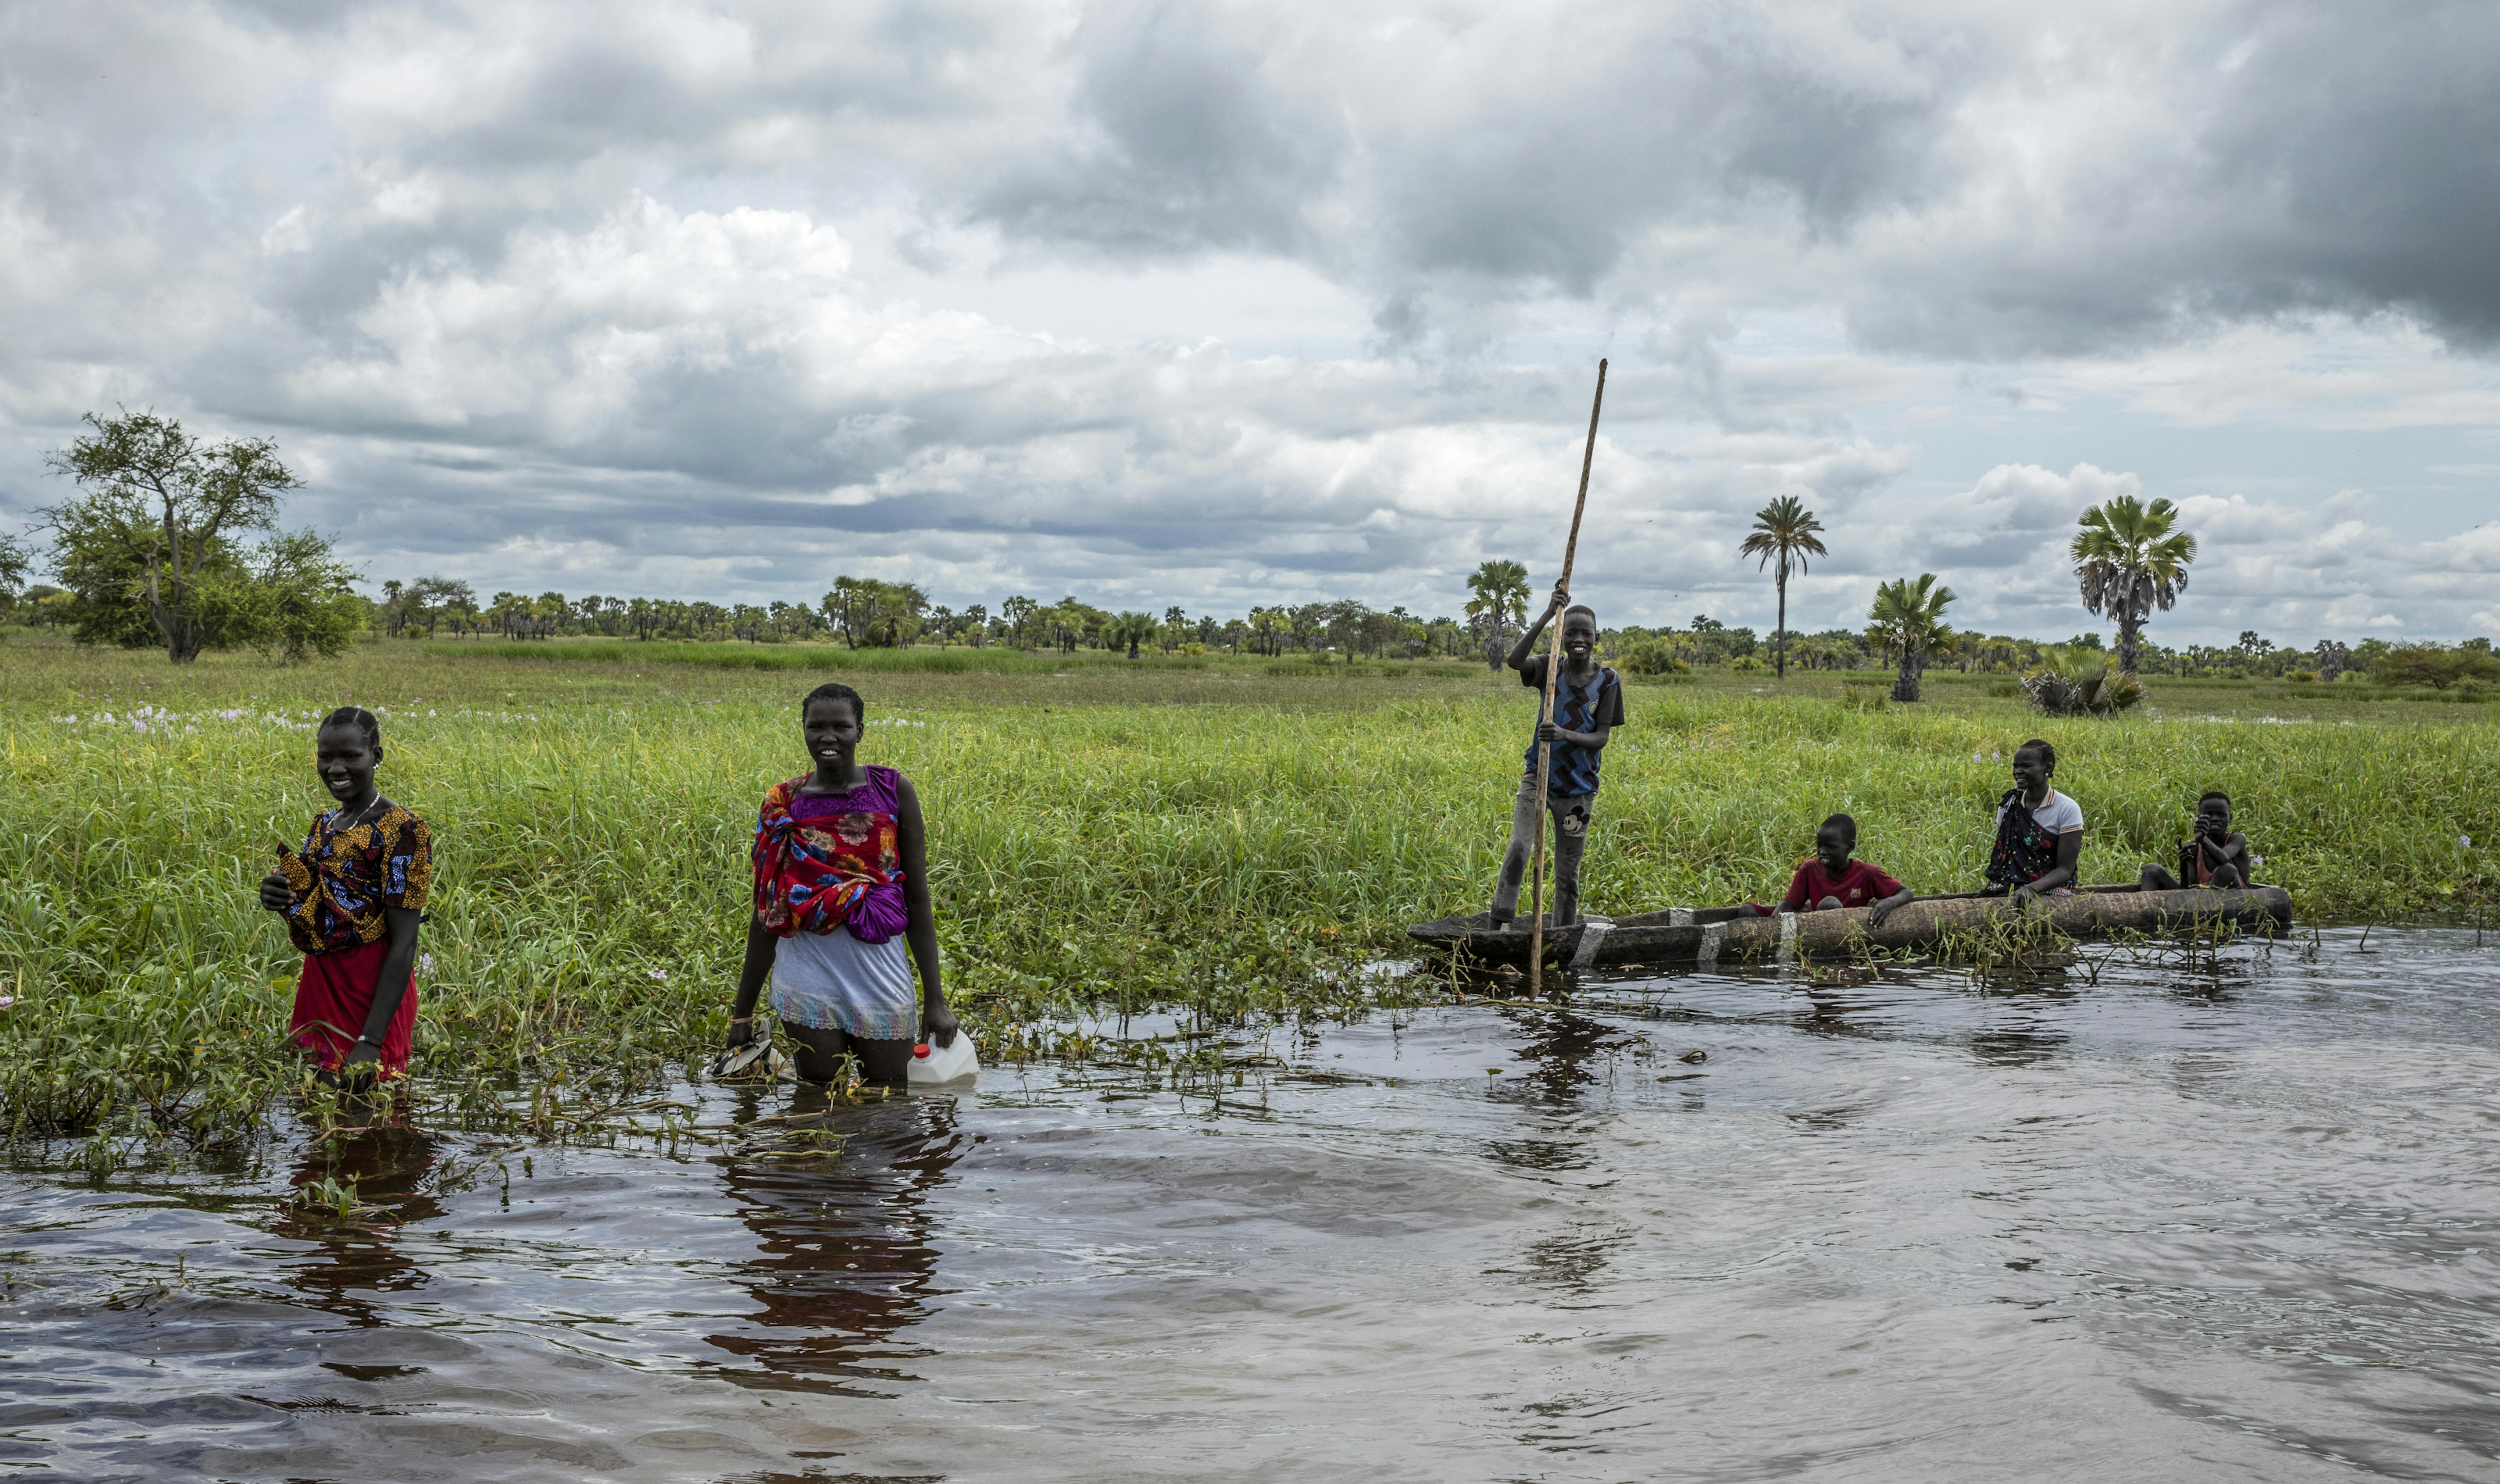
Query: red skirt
(335, 995)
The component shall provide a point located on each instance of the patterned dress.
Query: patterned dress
(352, 869)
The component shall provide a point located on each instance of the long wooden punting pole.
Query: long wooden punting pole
(1545, 712)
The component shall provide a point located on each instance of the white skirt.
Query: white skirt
(833, 982)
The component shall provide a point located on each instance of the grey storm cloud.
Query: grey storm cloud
(2219, 162)
(669, 295)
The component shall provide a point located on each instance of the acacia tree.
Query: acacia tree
(438, 597)
(1501, 590)
(1783, 536)
(1910, 617)
(150, 545)
(1017, 610)
(2129, 561)
(163, 507)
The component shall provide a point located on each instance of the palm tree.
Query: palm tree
(1129, 629)
(1501, 590)
(2130, 562)
(1910, 615)
(1783, 531)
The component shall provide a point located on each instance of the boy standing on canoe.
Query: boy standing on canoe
(1588, 706)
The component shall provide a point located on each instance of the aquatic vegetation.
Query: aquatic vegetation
(1232, 845)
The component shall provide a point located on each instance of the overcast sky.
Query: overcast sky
(1216, 305)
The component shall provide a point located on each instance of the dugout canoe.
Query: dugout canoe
(1707, 936)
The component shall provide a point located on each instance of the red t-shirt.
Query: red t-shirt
(1860, 885)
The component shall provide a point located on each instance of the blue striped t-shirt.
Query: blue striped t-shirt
(1576, 708)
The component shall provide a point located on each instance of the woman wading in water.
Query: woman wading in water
(354, 897)
(842, 882)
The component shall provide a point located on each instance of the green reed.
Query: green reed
(1100, 844)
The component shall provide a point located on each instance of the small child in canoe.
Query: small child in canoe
(353, 898)
(2216, 855)
(1829, 881)
(2039, 831)
(1588, 706)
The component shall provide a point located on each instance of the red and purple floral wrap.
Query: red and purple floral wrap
(828, 860)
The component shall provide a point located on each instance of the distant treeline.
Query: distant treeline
(866, 613)
(1709, 642)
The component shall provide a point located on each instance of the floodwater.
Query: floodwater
(2229, 1221)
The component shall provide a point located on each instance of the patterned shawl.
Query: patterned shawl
(830, 871)
(2026, 849)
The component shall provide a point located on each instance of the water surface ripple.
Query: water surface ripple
(2228, 1221)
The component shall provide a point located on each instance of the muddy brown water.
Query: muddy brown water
(2233, 1221)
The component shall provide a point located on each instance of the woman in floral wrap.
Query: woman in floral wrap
(841, 865)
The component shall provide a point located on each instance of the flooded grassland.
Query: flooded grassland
(1259, 1212)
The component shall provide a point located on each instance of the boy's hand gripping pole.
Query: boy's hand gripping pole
(1545, 711)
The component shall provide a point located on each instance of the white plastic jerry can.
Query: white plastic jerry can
(932, 1064)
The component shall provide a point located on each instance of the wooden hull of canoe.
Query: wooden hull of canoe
(1712, 935)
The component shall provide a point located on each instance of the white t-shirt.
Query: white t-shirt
(2060, 816)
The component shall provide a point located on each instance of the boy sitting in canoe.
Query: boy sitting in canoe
(1828, 880)
(2216, 855)
(1588, 706)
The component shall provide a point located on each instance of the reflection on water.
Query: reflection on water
(846, 1250)
(347, 1263)
(2134, 1219)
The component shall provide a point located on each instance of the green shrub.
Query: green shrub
(1655, 657)
(2434, 665)
(2092, 690)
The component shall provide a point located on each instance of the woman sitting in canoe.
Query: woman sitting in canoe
(842, 882)
(2039, 831)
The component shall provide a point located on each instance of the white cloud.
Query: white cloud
(1227, 302)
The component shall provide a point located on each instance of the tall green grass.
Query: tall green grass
(731, 654)
(1227, 859)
